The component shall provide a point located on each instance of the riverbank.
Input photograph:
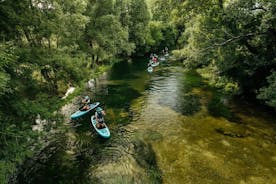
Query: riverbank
(50, 129)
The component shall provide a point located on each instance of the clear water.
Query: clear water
(166, 127)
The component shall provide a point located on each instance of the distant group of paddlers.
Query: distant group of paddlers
(154, 60)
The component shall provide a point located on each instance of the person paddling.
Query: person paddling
(166, 50)
(150, 63)
(85, 103)
(154, 59)
(99, 115)
(151, 55)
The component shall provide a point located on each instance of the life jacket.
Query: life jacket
(100, 117)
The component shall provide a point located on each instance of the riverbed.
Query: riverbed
(168, 126)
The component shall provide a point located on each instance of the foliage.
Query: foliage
(236, 39)
(7, 59)
(105, 33)
(268, 93)
(217, 108)
(138, 28)
(161, 10)
(156, 35)
(48, 45)
(227, 85)
(160, 35)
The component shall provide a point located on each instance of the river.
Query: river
(166, 127)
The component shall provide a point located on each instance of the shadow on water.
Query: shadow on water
(152, 135)
(217, 104)
(146, 158)
(65, 161)
(179, 96)
(119, 96)
(125, 70)
(189, 104)
(217, 108)
(53, 164)
(116, 102)
(191, 80)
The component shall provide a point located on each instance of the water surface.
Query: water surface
(166, 127)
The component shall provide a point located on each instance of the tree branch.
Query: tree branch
(235, 38)
(258, 8)
(10, 134)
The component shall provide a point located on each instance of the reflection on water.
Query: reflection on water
(166, 127)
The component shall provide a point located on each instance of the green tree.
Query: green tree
(7, 60)
(234, 38)
(105, 34)
(121, 8)
(138, 28)
(268, 93)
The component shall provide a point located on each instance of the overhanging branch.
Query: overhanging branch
(233, 39)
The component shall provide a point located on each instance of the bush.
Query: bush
(268, 93)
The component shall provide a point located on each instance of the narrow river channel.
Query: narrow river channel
(166, 127)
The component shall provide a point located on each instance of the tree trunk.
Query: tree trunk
(92, 61)
(57, 42)
(179, 33)
(220, 3)
(97, 60)
(271, 44)
(28, 37)
(49, 43)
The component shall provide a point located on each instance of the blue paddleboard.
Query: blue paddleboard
(81, 113)
(104, 132)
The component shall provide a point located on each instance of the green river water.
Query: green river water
(166, 127)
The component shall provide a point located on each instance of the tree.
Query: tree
(121, 8)
(268, 93)
(8, 58)
(234, 38)
(105, 34)
(139, 20)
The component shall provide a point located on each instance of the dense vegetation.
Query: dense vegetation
(233, 42)
(48, 45)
